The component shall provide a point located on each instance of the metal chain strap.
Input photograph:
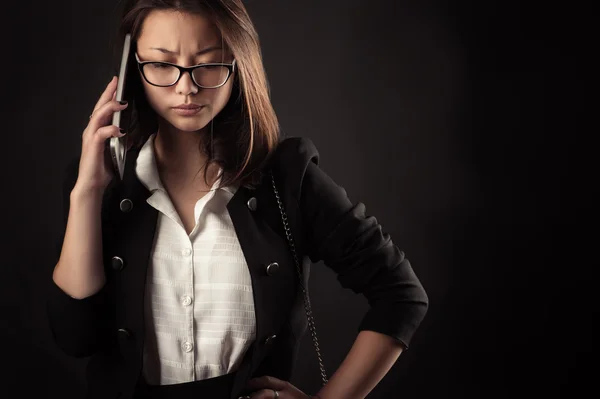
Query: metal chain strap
(307, 307)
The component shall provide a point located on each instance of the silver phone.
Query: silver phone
(118, 145)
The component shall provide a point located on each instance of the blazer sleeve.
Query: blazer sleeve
(78, 326)
(339, 233)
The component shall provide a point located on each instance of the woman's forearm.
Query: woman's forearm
(79, 271)
(370, 358)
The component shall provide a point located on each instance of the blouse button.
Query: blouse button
(187, 346)
(187, 252)
(186, 300)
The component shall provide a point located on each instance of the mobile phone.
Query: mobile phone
(118, 145)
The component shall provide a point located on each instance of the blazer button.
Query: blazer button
(125, 332)
(117, 263)
(272, 268)
(252, 203)
(126, 205)
(270, 339)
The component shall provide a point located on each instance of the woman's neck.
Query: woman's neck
(178, 159)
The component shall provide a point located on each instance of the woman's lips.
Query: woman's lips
(187, 111)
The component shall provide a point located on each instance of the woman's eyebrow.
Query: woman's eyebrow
(206, 50)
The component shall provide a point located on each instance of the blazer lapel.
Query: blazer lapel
(271, 266)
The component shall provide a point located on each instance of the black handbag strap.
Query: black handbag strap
(307, 307)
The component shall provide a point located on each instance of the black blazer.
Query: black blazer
(109, 325)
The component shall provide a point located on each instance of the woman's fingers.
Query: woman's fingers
(108, 94)
(103, 116)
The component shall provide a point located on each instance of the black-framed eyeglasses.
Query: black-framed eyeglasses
(165, 74)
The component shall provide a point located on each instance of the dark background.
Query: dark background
(459, 124)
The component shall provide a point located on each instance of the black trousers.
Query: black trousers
(213, 388)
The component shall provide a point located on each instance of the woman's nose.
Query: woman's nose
(186, 84)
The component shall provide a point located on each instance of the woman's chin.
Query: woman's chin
(189, 124)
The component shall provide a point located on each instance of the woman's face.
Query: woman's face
(180, 37)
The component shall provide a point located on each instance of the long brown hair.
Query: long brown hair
(247, 129)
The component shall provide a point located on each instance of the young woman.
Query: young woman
(186, 285)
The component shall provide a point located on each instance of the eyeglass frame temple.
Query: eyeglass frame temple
(182, 70)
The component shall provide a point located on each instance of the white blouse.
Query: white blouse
(199, 307)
